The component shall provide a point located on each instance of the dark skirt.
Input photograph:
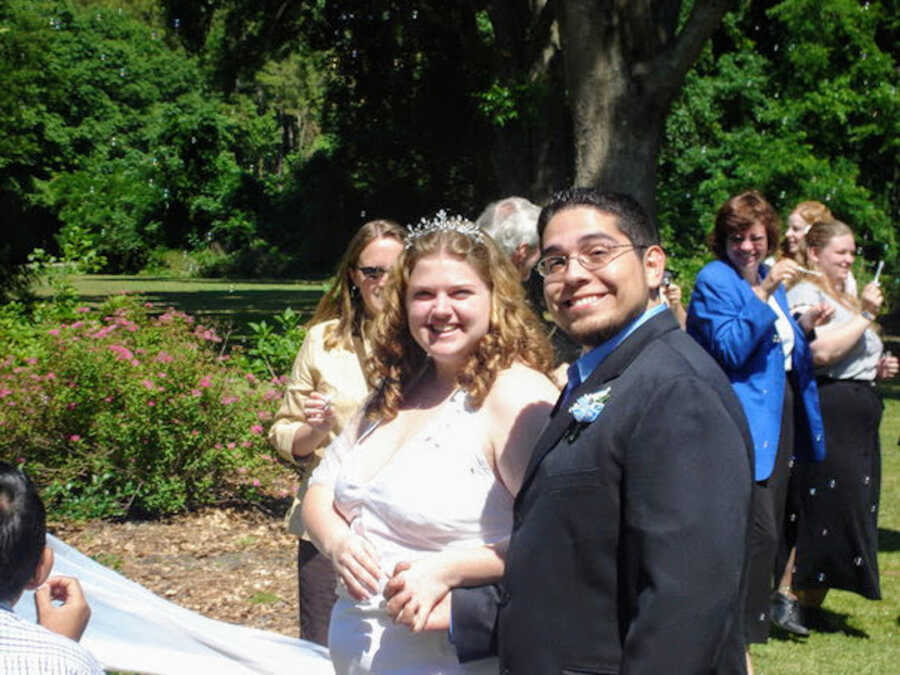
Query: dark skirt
(837, 509)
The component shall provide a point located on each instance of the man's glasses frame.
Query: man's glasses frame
(591, 258)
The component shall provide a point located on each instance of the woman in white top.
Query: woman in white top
(326, 386)
(837, 541)
(421, 487)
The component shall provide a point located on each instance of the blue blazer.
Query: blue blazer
(738, 329)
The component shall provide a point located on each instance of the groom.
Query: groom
(628, 545)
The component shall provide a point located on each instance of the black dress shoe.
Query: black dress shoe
(818, 619)
(785, 614)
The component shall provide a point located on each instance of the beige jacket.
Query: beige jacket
(335, 372)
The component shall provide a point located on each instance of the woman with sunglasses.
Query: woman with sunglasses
(739, 314)
(326, 386)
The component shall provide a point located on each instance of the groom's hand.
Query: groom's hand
(439, 618)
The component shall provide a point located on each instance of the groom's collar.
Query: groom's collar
(582, 368)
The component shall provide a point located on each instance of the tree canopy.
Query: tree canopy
(271, 130)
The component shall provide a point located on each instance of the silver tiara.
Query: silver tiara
(442, 223)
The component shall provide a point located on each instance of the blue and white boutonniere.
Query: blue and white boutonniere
(585, 410)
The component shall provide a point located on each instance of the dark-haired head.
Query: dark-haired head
(740, 213)
(23, 531)
(632, 219)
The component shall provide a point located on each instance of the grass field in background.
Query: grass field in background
(230, 304)
(866, 639)
(866, 635)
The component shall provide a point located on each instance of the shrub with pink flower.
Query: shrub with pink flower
(126, 413)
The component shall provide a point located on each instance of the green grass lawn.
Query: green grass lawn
(229, 304)
(867, 639)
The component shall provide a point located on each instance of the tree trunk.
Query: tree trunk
(625, 62)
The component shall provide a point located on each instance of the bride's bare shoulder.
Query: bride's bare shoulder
(519, 386)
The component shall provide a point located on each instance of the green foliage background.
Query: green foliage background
(257, 136)
(797, 99)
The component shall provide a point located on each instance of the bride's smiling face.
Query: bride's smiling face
(449, 308)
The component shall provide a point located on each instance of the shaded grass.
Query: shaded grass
(231, 305)
(859, 635)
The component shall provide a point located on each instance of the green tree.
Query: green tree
(238, 37)
(25, 144)
(797, 99)
(261, 126)
(121, 140)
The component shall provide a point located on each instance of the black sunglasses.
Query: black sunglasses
(373, 273)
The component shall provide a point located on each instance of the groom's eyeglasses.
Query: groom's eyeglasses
(591, 258)
(373, 273)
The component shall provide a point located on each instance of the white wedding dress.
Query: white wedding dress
(436, 493)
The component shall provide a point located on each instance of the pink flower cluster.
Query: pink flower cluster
(207, 334)
(171, 315)
(103, 332)
(124, 354)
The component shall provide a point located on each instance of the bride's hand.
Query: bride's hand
(356, 562)
(414, 590)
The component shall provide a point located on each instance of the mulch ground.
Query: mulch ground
(229, 564)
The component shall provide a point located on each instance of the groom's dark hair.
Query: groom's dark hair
(631, 218)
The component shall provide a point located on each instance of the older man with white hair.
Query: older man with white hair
(512, 223)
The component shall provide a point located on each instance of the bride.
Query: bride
(422, 485)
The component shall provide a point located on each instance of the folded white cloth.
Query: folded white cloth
(132, 629)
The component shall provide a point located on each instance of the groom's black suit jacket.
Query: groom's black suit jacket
(629, 538)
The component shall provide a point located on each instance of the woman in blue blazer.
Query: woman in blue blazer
(739, 314)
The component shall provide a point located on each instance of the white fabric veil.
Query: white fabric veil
(131, 629)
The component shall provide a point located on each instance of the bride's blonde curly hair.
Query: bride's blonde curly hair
(514, 333)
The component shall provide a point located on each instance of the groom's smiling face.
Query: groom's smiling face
(593, 305)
